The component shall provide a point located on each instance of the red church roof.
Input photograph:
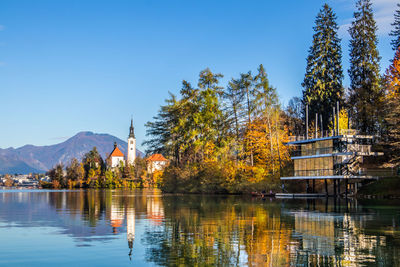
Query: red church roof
(156, 157)
(116, 153)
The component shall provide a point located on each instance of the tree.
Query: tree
(209, 117)
(392, 102)
(56, 174)
(162, 129)
(323, 79)
(294, 116)
(75, 171)
(365, 91)
(235, 96)
(92, 161)
(8, 181)
(396, 31)
(266, 105)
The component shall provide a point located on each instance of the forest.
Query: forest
(231, 138)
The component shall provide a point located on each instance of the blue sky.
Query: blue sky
(70, 66)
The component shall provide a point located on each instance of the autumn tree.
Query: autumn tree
(365, 91)
(56, 175)
(92, 163)
(323, 79)
(75, 170)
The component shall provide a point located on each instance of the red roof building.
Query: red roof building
(156, 162)
(115, 158)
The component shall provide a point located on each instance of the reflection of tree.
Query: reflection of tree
(204, 230)
(201, 230)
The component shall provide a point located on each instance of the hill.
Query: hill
(30, 158)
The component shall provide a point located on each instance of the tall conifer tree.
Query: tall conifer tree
(323, 79)
(396, 31)
(365, 90)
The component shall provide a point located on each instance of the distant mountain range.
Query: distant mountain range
(39, 159)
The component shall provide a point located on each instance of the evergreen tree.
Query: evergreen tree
(392, 108)
(235, 97)
(365, 91)
(323, 79)
(396, 31)
(163, 130)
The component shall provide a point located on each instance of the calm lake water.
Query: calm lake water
(145, 227)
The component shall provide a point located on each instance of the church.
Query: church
(116, 157)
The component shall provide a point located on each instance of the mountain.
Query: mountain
(31, 158)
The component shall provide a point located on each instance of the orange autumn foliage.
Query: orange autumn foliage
(392, 76)
(267, 142)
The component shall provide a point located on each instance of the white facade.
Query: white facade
(131, 150)
(156, 166)
(116, 161)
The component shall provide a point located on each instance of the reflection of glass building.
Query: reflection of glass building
(317, 232)
(322, 235)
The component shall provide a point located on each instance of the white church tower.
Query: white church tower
(131, 146)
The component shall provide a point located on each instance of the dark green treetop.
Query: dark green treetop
(365, 91)
(323, 79)
(396, 31)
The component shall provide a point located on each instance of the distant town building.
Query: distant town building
(115, 158)
(156, 162)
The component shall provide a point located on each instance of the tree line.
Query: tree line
(93, 172)
(231, 139)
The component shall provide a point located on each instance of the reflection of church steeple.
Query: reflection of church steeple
(130, 229)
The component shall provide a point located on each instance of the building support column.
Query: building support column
(346, 187)
(326, 187)
(307, 186)
(334, 187)
(338, 183)
(313, 185)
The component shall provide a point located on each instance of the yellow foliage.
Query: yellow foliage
(343, 119)
(157, 178)
(71, 184)
(267, 143)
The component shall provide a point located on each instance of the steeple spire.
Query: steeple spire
(131, 130)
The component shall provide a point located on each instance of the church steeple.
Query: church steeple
(131, 145)
(131, 130)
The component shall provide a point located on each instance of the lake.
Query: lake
(148, 228)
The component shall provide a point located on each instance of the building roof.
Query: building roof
(156, 157)
(116, 153)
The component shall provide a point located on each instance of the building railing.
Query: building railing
(312, 135)
(359, 148)
(320, 172)
(313, 152)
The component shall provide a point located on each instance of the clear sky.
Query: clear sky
(70, 66)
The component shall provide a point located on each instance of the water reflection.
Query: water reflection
(210, 230)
